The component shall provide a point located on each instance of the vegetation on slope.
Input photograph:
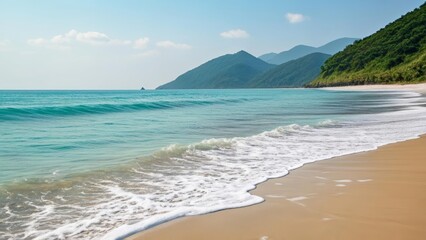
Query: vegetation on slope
(394, 54)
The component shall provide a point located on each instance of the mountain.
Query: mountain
(268, 56)
(228, 71)
(394, 54)
(294, 53)
(295, 73)
(303, 50)
(336, 46)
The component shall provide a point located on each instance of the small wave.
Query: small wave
(23, 113)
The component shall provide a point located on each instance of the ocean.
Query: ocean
(105, 164)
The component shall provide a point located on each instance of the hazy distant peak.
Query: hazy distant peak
(243, 52)
(301, 46)
(301, 50)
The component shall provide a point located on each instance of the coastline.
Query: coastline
(373, 195)
(183, 225)
(419, 88)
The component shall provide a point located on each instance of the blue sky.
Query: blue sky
(94, 44)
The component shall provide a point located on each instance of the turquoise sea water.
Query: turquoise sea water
(101, 164)
(48, 134)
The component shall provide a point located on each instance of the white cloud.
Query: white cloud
(141, 43)
(295, 17)
(60, 39)
(93, 38)
(235, 33)
(71, 34)
(170, 44)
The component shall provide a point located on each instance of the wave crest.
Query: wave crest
(23, 113)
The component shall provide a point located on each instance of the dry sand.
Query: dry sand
(379, 194)
(420, 88)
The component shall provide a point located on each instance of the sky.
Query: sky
(127, 44)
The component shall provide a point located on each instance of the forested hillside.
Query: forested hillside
(394, 54)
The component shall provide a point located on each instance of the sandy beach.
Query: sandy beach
(378, 194)
(420, 88)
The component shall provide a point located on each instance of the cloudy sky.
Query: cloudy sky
(100, 44)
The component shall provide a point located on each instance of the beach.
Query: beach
(378, 194)
(420, 88)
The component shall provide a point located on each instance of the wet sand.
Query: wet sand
(379, 194)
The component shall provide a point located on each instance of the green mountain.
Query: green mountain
(295, 73)
(303, 50)
(394, 54)
(228, 71)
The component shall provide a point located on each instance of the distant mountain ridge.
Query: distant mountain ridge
(227, 71)
(394, 54)
(242, 70)
(303, 50)
(302, 64)
(295, 73)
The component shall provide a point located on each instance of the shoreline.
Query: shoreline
(302, 197)
(419, 88)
